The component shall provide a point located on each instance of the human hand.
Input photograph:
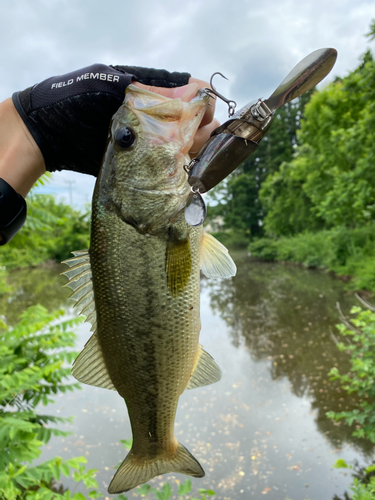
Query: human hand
(186, 93)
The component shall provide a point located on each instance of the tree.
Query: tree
(241, 205)
(371, 33)
(335, 164)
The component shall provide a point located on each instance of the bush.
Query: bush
(33, 358)
(232, 239)
(264, 248)
(349, 252)
(363, 487)
(361, 377)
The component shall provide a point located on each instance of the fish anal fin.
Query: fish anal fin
(89, 367)
(205, 371)
(136, 470)
(178, 265)
(215, 260)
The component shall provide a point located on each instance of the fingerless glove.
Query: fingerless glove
(69, 115)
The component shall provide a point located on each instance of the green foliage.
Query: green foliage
(371, 33)
(360, 380)
(348, 252)
(232, 239)
(238, 196)
(363, 487)
(33, 368)
(329, 182)
(361, 377)
(288, 208)
(52, 230)
(4, 287)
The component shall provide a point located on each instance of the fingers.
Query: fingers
(186, 93)
(210, 111)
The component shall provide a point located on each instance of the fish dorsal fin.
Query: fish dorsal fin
(215, 259)
(205, 371)
(80, 281)
(89, 367)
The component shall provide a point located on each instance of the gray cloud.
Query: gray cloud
(255, 44)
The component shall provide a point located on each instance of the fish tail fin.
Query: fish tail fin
(135, 470)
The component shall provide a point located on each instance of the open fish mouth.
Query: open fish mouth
(167, 120)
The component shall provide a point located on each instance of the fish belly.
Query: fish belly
(148, 337)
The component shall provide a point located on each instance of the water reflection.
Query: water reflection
(287, 315)
(39, 285)
(262, 429)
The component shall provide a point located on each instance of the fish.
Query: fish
(139, 283)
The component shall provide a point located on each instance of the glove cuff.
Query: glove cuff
(12, 212)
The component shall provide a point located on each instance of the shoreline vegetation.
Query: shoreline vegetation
(347, 253)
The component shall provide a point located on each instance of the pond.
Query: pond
(262, 430)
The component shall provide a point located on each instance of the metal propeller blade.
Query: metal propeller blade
(308, 73)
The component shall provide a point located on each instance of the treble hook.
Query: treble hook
(231, 104)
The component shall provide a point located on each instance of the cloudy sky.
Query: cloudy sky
(255, 44)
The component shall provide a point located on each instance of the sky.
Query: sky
(255, 44)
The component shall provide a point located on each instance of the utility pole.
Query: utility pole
(70, 184)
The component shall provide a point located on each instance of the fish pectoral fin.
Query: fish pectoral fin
(215, 260)
(178, 264)
(136, 470)
(89, 367)
(205, 371)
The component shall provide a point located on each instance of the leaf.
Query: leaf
(184, 488)
(165, 493)
(207, 492)
(340, 464)
(65, 469)
(144, 489)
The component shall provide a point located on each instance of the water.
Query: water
(262, 429)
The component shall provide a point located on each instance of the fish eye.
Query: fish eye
(124, 137)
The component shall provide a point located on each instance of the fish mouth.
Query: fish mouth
(165, 119)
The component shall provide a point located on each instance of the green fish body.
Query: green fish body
(139, 283)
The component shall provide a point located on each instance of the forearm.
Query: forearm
(21, 161)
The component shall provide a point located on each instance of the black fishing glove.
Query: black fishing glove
(12, 212)
(69, 115)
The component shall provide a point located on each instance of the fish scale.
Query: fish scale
(151, 337)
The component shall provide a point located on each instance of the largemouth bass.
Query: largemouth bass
(139, 283)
